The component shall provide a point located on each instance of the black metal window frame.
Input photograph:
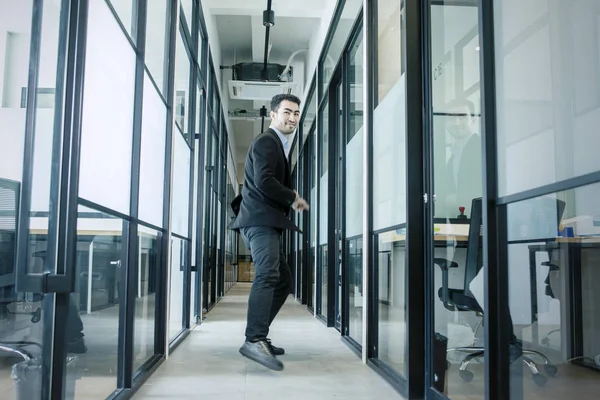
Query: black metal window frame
(71, 63)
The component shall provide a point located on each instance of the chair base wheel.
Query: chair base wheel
(465, 375)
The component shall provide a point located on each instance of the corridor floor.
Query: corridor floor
(318, 365)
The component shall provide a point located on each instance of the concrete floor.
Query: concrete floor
(318, 365)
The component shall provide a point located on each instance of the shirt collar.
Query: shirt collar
(284, 140)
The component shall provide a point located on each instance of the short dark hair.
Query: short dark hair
(278, 98)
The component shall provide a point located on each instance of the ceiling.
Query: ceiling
(242, 39)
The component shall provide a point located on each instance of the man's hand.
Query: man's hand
(300, 204)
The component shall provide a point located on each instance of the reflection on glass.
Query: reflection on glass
(323, 171)
(354, 259)
(389, 136)
(338, 42)
(390, 58)
(391, 256)
(179, 249)
(95, 304)
(458, 316)
(182, 83)
(187, 6)
(548, 92)
(124, 9)
(389, 185)
(354, 192)
(310, 112)
(145, 301)
(156, 35)
(553, 258)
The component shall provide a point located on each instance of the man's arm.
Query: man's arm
(264, 152)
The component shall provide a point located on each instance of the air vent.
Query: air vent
(250, 90)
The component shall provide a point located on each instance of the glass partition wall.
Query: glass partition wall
(98, 180)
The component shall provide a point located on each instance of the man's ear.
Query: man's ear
(272, 114)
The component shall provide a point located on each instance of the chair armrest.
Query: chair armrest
(445, 264)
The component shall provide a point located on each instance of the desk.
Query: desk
(573, 338)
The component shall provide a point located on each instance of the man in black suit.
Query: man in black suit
(462, 181)
(261, 216)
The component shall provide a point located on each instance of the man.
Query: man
(262, 212)
(462, 180)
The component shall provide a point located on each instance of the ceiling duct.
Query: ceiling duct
(251, 90)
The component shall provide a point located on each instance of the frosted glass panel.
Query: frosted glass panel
(152, 157)
(181, 184)
(107, 112)
(354, 185)
(389, 158)
(548, 105)
(156, 40)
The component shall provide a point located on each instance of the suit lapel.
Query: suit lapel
(285, 160)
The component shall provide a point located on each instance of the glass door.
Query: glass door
(453, 144)
(338, 200)
(352, 167)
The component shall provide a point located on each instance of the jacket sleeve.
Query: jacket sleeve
(264, 153)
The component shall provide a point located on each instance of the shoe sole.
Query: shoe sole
(263, 362)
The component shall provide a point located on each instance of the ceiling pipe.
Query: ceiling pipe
(268, 22)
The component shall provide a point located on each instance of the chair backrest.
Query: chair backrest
(474, 260)
(9, 205)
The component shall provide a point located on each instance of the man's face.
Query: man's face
(461, 122)
(286, 117)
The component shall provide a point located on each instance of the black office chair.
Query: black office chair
(9, 205)
(463, 299)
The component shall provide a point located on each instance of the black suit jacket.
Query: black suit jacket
(267, 195)
(469, 175)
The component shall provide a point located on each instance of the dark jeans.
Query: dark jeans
(272, 279)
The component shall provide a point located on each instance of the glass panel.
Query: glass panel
(340, 37)
(324, 269)
(354, 261)
(389, 190)
(181, 185)
(124, 9)
(152, 156)
(310, 114)
(354, 146)
(323, 148)
(457, 182)
(354, 191)
(145, 302)
(20, 312)
(389, 136)
(94, 307)
(548, 106)
(553, 258)
(187, 6)
(182, 85)
(323, 173)
(313, 216)
(179, 250)
(107, 123)
(391, 256)
(156, 41)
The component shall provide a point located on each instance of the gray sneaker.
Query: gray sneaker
(261, 353)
